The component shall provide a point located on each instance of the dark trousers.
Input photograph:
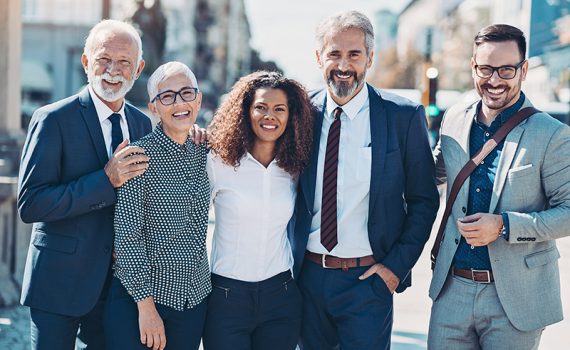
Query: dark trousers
(341, 310)
(54, 331)
(183, 328)
(253, 315)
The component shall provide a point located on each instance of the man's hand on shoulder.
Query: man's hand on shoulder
(392, 281)
(126, 163)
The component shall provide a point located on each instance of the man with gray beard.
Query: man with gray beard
(76, 154)
(366, 203)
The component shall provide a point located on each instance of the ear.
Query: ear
(198, 101)
(473, 63)
(370, 60)
(318, 56)
(140, 68)
(85, 63)
(154, 111)
(524, 69)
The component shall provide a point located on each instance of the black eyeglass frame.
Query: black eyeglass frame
(497, 69)
(176, 93)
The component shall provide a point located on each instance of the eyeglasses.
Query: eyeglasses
(168, 97)
(505, 72)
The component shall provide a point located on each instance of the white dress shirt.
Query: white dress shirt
(103, 113)
(253, 205)
(353, 179)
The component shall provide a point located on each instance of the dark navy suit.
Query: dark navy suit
(403, 202)
(65, 192)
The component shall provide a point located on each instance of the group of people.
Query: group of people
(323, 203)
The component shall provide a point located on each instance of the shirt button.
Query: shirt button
(477, 189)
(487, 134)
(482, 162)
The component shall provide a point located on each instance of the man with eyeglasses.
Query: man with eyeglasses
(75, 156)
(496, 283)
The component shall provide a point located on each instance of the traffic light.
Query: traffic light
(432, 109)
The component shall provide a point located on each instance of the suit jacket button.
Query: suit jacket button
(464, 210)
(456, 241)
(107, 250)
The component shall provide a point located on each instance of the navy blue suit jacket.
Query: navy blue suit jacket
(403, 193)
(65, 192)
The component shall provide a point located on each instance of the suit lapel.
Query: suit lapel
(379, 137)
(464, 130)
(309, 176)
(90, 118)
(133, 128)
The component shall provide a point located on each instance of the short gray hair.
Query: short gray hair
(344, 21)
(112, 25)
(165, 71)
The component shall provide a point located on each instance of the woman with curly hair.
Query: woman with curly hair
(261, 140)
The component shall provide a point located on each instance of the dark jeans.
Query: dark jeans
(341, 310)
(253, 315)
(183, 328)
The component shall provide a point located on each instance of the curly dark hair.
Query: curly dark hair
(231, 130)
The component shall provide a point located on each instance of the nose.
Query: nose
(113, 68)
(494, 78)
(343, 64)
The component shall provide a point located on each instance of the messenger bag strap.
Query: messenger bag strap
(468, 168)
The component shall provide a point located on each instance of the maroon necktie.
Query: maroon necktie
(328, 204)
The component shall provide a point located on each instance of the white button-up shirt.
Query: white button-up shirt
(353, 179)
(253, 205)
(103, 113)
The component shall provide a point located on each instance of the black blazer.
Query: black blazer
(65, 192)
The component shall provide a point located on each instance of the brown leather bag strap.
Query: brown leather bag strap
(468, 168)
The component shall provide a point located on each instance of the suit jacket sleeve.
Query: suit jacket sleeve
(554, 221)
(42, 196)
(421, 196)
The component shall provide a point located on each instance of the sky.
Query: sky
(283, 31)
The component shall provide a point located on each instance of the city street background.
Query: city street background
(41, 42)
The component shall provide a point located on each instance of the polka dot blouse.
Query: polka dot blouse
(161, 220)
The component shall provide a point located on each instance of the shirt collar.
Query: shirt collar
(169, 144)
(352, 107)
(104, 112)
(250, 157)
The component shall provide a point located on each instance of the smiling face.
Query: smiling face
(178, 117)
(269, 113)
(344, 62)
(496, 93)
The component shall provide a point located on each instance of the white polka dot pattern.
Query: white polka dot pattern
(161, 220)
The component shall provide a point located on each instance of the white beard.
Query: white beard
(109, 95)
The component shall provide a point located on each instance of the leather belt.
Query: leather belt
(333, 262)
(481, 276)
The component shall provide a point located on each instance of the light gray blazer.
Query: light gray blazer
(532, 186)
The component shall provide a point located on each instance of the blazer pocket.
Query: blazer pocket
(542, 258)
(521, 171)
(63, 244)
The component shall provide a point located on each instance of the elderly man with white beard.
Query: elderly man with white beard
(76, 154)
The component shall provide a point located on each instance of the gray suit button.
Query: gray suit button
(533, 239)
(464, 210)
(519, 239)
(456, 241)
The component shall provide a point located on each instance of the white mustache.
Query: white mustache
(113, 79)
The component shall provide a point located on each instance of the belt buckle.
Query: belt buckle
(481, 271)
(323, 261)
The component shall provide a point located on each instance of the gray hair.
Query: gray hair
(344, 21)
(165, 71)
(112, 25)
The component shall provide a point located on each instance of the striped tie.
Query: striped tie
(328, 206)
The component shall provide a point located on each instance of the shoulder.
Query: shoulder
(392, 100)
(137, 114)
(146, 142)
(59, 109)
